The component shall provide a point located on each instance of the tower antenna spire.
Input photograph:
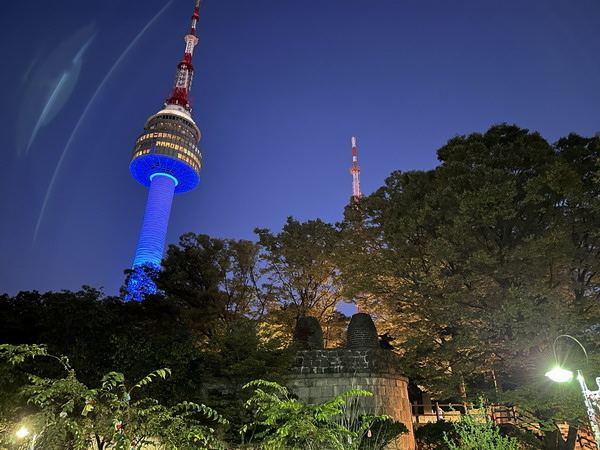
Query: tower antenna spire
(355, 171)
(185, 69)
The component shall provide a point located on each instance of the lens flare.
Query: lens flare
(560, 375)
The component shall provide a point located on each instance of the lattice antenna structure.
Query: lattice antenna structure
(167, 160)
(185, 70)
(355, 171)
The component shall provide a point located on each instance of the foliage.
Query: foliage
(64, 413)
(101, 334)
(477, 265)
(303, 278)
(236, 356)
(527, 439)
(476, 432)
(140, 282)
(432, 435)
(282, 422)
(212, 278)
(382, 432)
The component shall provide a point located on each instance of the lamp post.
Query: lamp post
(590, 398)
(23, 433)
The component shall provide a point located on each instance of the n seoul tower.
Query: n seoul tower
(166, 159)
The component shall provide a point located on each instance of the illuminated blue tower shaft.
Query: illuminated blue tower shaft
(154, 228)
(152, 237)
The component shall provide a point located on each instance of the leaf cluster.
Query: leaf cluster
(65, 413)
(282, 422)
(475, 432)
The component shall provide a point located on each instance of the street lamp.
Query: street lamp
(590, 398)
(22, 432)
(560, 375)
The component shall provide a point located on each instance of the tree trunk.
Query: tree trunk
(571, 438)
(553, 440)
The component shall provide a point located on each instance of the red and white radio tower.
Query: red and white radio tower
(355, 171)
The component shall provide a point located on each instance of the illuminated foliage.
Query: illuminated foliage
(476, 432)
(303, 278)
(141, 282)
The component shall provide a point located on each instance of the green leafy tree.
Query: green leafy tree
(303, 278)
(102, 334)
(63, 413)
(475, 266)
(237, 355)
(382, 433)
(476, 432)
(212, 279)
(433, 435)
(282, 422)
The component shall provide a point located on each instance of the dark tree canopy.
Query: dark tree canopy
(101, 335)
(477, 265)
(213, 280)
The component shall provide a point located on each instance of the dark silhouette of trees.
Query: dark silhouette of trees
(477, 265)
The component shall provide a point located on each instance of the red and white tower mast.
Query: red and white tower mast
(356, 195)
(355, 171)
(185, 70)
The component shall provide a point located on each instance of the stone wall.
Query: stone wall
(344, 360)
(320, 375)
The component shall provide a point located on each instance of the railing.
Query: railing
(499, 414)
(433, 412)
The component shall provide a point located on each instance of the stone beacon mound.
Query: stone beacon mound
(319, 374)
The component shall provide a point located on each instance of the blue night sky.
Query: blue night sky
(279, 89)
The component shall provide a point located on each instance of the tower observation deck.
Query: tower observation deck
(167, 160)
